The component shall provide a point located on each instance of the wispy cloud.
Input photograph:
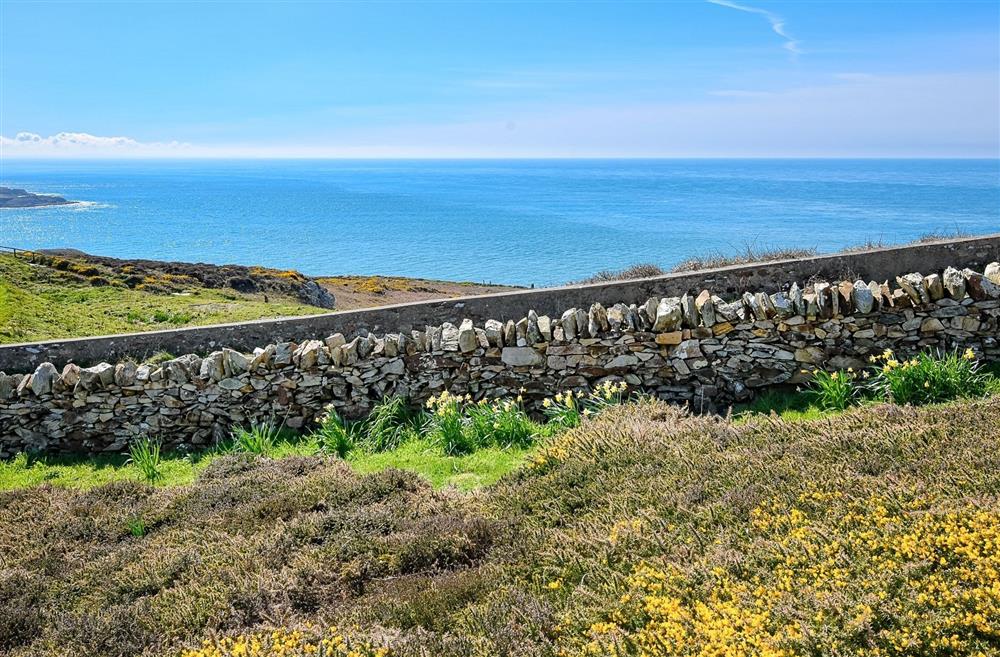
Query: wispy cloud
(921, 115)
(777, 23)
(82, 143)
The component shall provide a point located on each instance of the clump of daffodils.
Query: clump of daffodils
(461, 425)
(928, 378)
(922, 379)
(567, 409)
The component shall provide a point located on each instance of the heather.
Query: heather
(644, 530)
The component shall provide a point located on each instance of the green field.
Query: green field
(38, 302)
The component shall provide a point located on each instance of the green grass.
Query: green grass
(93, 471)
(90, 471)
(480, 468)
(483, 467)
(42, 303)
(789, 405)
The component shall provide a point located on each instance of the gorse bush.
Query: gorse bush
(890, 607)
(144, 454)
(307, 642)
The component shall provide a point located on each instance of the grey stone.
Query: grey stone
(616, 317)
(668, 315)
(313, 294)
(521, 332)
(934, 287)
(689, 310)
(308, 355)
(509, 333)
(795, 297)
(954, 283)
(545, 328)
(824, 302)
(394, 366)
(521, 357)
(582, 324)
(467, 340)
(532, 334)
(979, 287)
(706, 308)
(349, 352)
(283, 353)
(568, 324)
(931, 325)
(335, 341)
(782, 306)
(212, 368)
(992, 272)
(494, 332)
(237, 363)
(98, 376)
(71, 375)
(125, 373)
(688, 349)
(43, 378)
(913, 285)
(597, 320)
(862, 298)
(625, 360)
(648, 311)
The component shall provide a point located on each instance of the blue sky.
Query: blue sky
(500, 79)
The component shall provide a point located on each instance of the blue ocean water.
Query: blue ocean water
(538, 222)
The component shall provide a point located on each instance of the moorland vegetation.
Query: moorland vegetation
(621, 527)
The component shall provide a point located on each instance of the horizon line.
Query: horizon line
(417, 158)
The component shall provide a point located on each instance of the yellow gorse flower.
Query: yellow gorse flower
(878, 578)
(289, 643)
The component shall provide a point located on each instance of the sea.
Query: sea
(523, 222)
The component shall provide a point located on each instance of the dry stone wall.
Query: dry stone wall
(703, 349)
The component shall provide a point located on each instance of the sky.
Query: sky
(706, 78)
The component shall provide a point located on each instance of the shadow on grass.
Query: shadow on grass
(177, 467)
(785, 403)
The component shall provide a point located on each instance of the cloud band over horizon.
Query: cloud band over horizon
(851, 114)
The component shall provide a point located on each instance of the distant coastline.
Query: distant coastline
(11, 197)
(512, 222)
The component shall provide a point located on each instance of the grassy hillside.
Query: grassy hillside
(69, 296)
(41, 302)
(644, 531)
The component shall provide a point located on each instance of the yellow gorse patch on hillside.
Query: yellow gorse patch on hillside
(288, 643)
(826, 576)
